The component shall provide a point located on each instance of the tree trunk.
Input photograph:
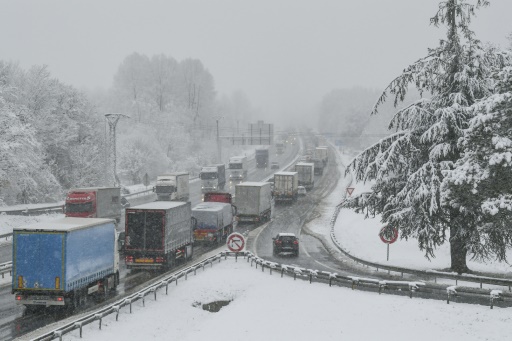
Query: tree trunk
(458, 253)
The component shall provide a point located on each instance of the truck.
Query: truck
(158, 235)
(94, 202)
(279, 148)
(322, 154)
(286, 186)
(62, 262)
(319, 166)
(253, 202)
(261, 156)
(172, 187)
(213, 178)
(306, 173)
(237, 168)
(214, 222)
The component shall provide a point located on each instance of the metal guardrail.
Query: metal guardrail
(6, 268)
(409, 288)
(423, 273)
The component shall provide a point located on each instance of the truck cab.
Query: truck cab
(237, 168)
(213, 178)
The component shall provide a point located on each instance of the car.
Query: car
(274, 165)
(301, 190)
(285, 242)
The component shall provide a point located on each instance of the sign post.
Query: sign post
(146, 180)
(235, 242)
(388, 235)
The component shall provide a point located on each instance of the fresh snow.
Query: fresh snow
(263, 306)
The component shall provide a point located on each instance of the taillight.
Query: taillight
(159, 259)
(18, 297)
(60, 299)
(296, 242)
(128, 259)
(278, 242)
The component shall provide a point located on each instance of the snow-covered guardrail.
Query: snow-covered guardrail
(411, 288)
(435, 275)
(5, 268)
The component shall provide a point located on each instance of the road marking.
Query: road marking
(309, 255)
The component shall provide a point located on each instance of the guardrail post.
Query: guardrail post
(166, 288)
(79, 325)
(98, 316)
(448, 298)
(282, 271)
(262, 267)
(310, 278)
(116, 308)
(59, 334)
(492, 302)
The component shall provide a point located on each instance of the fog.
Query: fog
(284, 55)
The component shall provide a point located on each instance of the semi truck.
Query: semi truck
(286, 186)
(306, 172)
(253, 202)
(62, 262)
(261, 156)
(172, 187)
(322, 154)
(213, 178)
(158, 235)
(238, 168)
(214, 222)
(94, 202)
(319, 166)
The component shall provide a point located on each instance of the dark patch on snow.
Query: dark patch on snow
(213, 307)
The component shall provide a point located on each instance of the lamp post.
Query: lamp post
(112, 120)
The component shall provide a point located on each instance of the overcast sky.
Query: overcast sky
(285, 55)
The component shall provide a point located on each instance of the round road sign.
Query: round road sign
(235, 242)
(388, 234)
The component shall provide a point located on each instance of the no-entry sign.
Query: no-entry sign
(235, 242)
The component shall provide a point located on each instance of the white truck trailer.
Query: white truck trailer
(286, 186)
(172, 187)
(253, 201)
(306, 173)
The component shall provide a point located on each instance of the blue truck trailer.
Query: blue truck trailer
(63, 262)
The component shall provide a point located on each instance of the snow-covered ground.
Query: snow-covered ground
(360, 235)
(268, 307)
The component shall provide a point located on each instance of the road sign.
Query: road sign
(388, 234)
(350, 190)
(235, 242)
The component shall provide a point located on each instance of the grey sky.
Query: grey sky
(285, 55)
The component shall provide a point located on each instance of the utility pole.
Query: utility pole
(112, 120)
(218, 118)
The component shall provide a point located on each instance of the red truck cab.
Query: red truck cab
(81, 204)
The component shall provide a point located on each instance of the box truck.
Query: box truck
(286, 186)
(172, 187)
(238, 168)
(62, 262)
(213, 178)
(94, 202)
(158, 235)
(306, 172)
(214, 222)
(253, 202)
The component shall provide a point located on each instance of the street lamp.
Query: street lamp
(112, 120)
(217, 119)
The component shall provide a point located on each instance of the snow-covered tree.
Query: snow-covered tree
(480, 185)
(408, 166)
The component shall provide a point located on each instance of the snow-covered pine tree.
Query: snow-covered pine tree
(480, 185)
(407, 167)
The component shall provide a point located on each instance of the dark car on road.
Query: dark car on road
(285, 242)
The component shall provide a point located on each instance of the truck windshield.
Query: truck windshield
(77, 208)
(165, 189)
(235, 166)
(208, 176)
(144, 231)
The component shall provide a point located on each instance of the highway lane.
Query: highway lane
(15, 322)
